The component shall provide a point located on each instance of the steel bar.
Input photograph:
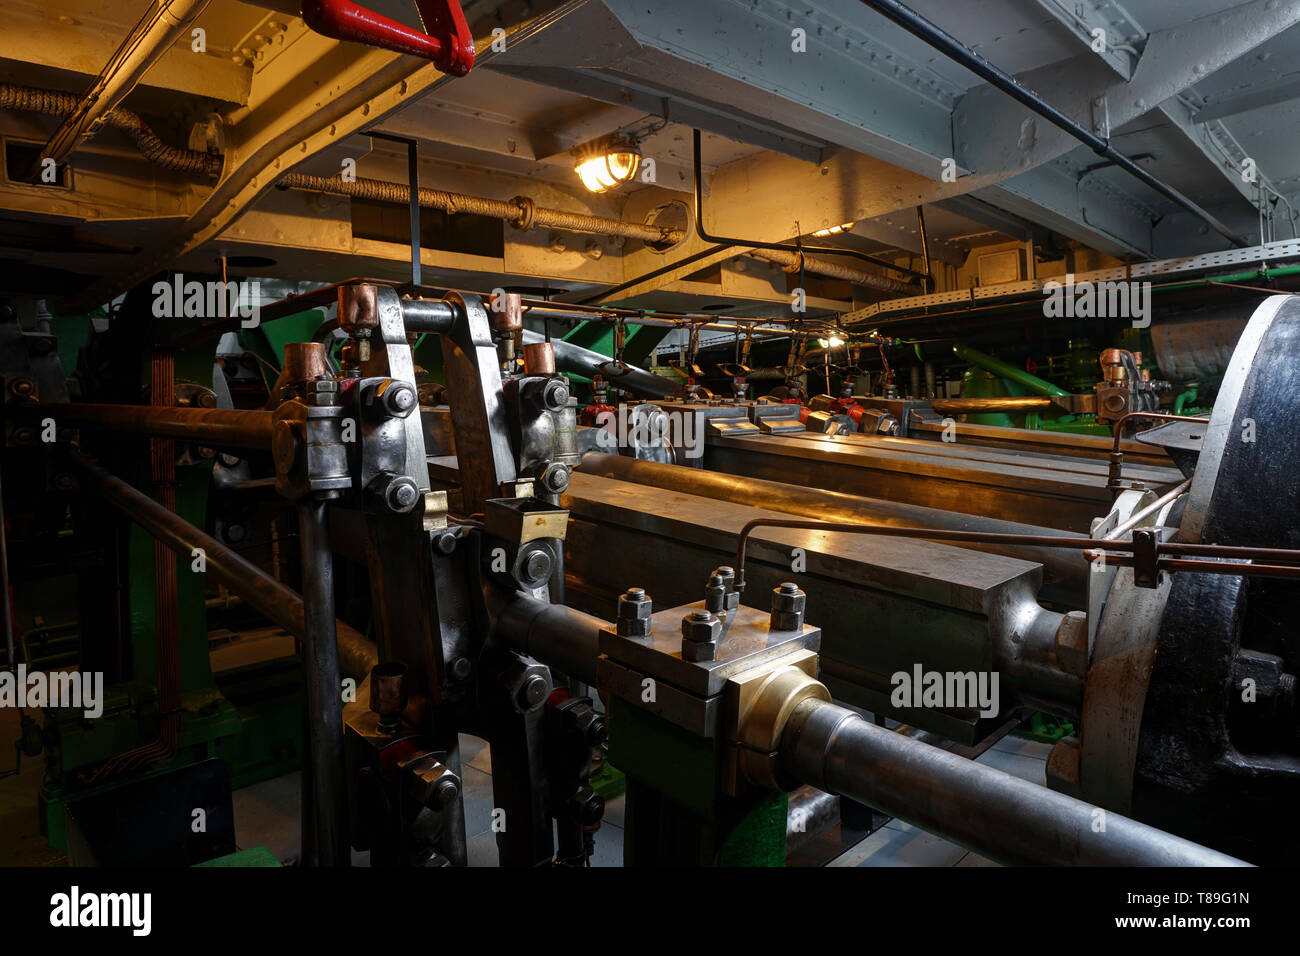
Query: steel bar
(280, 604)
(954, 49)
(209, 426)
(993, 813)
(817, 503)
(324, 814)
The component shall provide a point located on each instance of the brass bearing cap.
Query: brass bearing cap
(763, 722)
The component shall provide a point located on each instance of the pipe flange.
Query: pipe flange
(527, 213)
(763, 720)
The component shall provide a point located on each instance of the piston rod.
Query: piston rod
(1005, 818)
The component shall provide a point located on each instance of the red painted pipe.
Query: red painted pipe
(448, 42)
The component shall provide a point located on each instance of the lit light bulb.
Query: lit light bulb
(609, 169)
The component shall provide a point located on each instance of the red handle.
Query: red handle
(447, 43)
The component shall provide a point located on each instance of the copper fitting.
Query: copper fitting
(304, 362)
(358, 307)
(506, 312)
(539, 359)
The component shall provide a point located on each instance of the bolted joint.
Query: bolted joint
(322, 392)
(700, 633)
(715, 594)
(398, 398)
(556, 477)
(788, 602)
(390, 492)
(429, 782)
(634, 610)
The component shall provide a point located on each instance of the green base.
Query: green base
(1045, 729)
(677, 812)
(253, 856)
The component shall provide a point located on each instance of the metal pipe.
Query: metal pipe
(54, 103)
(925, 248)
(993, 813)
(1136, 519)
(579, 361)
(559, 636)
(428, 315)
(954, 49)
(521, 212)
(1010, 403)
(1007, 371)
(157, 30)
(268, 596)
(209, 426)
(816, 503)
(324, 797)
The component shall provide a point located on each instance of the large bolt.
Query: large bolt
(788, 603)
(443, 793)
(634, 610)
(715, 594)
(399, 399)
(402, 495)
(22, 387)
(556, 477)
(533, 691)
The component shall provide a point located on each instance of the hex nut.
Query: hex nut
(697, 651)
(700, 627)
(634, 610)
(788, 603)
(788, 597)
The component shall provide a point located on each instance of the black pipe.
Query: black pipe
(725, 241)
(324, 800)
(954, 49)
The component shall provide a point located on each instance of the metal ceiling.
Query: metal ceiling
(854, 129)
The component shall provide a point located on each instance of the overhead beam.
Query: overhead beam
(845, 88)
(994, 132)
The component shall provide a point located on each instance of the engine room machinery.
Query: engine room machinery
(721, 633)
(585, 432)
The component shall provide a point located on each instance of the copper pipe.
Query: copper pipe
(1118, 427)
(210, 426)
(1091, 548)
